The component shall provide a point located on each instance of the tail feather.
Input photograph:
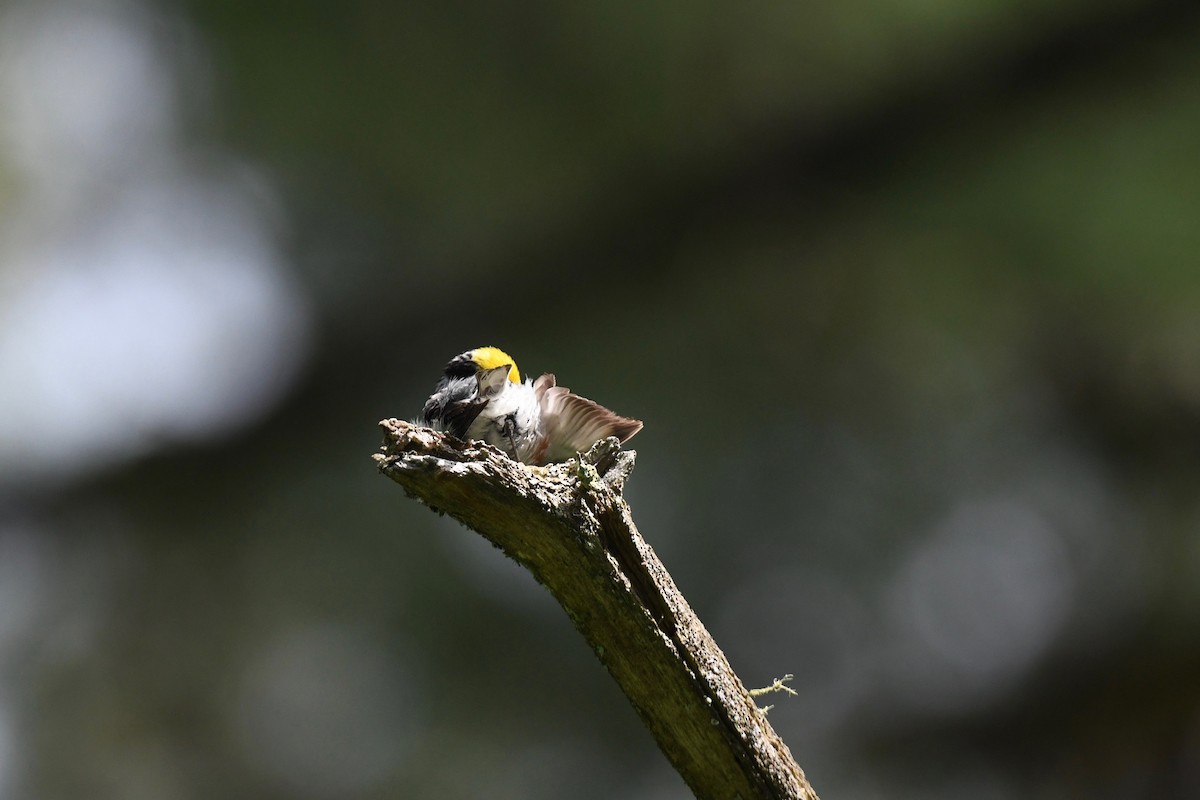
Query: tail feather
(573, 424)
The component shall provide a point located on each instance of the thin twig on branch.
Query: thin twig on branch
(569, 525)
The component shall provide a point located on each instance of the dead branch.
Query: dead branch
(569, 525)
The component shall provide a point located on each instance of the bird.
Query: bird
(480, 395)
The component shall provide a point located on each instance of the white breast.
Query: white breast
(513, 411)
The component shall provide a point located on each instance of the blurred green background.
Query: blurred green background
(907, 295)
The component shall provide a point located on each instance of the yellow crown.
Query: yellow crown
(492, 357)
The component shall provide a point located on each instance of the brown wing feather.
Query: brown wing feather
(573, 423)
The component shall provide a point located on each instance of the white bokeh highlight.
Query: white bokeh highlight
(144, 297)
(979, 603)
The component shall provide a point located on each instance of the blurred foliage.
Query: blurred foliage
(924, 274)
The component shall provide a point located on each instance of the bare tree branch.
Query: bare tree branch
(568, 524)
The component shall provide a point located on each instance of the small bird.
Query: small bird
(480, 396)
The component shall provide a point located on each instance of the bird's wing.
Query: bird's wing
(572, 424)
(453, 406)
(492, 381)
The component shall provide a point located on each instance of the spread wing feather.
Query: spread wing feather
(572, 423)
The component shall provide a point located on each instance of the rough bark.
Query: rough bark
(569, 525)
